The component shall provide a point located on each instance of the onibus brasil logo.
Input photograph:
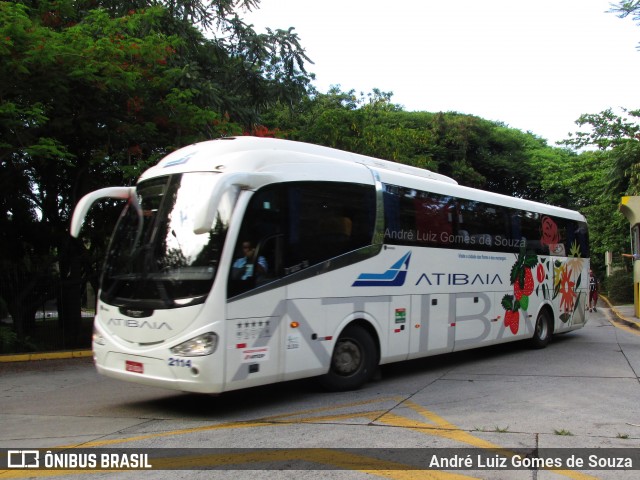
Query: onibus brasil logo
(393, 277)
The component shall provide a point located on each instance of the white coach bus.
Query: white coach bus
(245, 261)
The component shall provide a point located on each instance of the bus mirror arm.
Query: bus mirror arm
(85, 203)
(205, 216)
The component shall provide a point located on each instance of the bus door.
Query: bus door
(255, 313)
(256, 296)
(253, 354)
(476, 322)
(431, 327)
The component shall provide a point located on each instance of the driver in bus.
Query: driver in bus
(245, 267)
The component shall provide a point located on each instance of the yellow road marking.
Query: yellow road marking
(332, 408)
(445, 429)
(435, 426)
(171, 433)
(338, 459)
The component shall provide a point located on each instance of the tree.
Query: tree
(627, 8)
(608, 167)
(91, 93)
(604, 175)
(474, 151)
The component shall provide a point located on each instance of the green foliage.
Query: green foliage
(11, 343)
(93, 92)
(474, 151)
(600, 178)
(577, 181)
(619, 287)
(8, 340)
(618, 138)
(627, 8)
(606, 129)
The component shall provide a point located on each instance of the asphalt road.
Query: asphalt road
(581, 392)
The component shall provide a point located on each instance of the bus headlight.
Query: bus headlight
(204, 344)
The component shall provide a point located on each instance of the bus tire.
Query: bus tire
(542, 331)
(353, 361)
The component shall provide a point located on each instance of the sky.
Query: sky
(532, 65)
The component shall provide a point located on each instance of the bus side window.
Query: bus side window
(327, 219)
(271, 249)
(260, 235)
(294, 225)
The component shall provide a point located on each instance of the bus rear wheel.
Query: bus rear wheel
(542, 332)
(353, 361)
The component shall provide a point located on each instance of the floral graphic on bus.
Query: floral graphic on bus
(575, 262)
(523, 284)
(542, 273)
(550, 235)
(567, 280)
(567, 291)
(567, 277)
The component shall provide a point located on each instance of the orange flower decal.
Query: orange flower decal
(568, 295)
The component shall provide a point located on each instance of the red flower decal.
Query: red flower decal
(550, 234)
(540, 273)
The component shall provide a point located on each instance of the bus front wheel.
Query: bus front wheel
(542, 332)
(353, 361)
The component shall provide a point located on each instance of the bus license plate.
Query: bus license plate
(135, 367)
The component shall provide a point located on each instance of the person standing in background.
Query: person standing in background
(593, 291)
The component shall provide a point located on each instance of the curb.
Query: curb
(629, 323)
(27, 357)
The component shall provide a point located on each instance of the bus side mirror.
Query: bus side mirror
(205, 216)
(85, 203)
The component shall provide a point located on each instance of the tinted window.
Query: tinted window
(289, 227)
(327, 220)
(414, 217)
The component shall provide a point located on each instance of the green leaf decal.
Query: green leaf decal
(575, 307)
(530, 261)
(507, 302)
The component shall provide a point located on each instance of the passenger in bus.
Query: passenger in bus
(248, 266)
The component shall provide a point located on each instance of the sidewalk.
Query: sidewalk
(625, 313)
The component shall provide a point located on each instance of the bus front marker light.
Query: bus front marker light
(201, 345)
(98, 338)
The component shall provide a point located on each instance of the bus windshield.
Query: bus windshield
(155, 260)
